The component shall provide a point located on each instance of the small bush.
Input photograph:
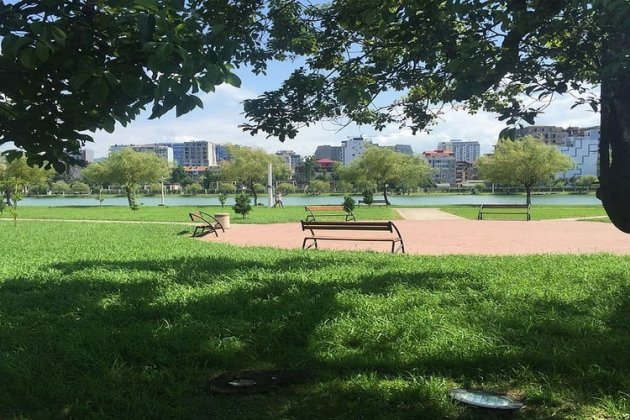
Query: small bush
(348, 203)
(368, 197)
(242, 205)
(222, 199)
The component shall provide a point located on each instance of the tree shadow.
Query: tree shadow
(96, 333)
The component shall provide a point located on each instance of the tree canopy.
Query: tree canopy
(15, 176)
(72, 67)
(128, 169)
(524, 162)
(67, 68)
(386, 168)
(249, 167)
(504, 56)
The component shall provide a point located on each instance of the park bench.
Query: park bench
(328, 210)
(375, 201)
(366, 226)
(205, 224)
(504, 209)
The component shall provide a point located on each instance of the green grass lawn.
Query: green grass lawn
(180, 213)
(537, 212)
(129, 321)
(285, 215)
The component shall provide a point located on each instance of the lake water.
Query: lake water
(427, 200)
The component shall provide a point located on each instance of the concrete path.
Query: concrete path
(426, 214)
(442, 237)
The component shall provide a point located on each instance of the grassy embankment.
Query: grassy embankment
(123, 321)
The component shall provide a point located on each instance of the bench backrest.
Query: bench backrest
(367, 225)
(325, 207)
(505, 206)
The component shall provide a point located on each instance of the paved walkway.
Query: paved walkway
(462, 236)
(426, 214)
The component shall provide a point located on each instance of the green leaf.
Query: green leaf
(79, 79)
(28, 58)
(131, 85)
(11, 44)
(109, 125)
(146, 26)
(42, 51)
(151, 5)
(233, 80)
(196, 101)
(99, 90)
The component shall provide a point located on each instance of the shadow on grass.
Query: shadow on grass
(139, 338)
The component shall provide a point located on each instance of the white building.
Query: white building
(464, 151)
(443, 164)
(194, 153)
(162, 151)
(353, 148)
(583, 148)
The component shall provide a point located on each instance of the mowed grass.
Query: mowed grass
(129, 321)
(258, 214)
(537, 212)
(286, 215)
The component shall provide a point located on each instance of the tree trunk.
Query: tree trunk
(131, 197)
(614, 150)
(385, 195)
(528, 195)
(253, 190)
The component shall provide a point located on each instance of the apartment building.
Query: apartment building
(548, 133)
(353, 148)
(464, 151)
(160, 150)
(290, 157)
(582, 146)
(329, 152)
(443, 164)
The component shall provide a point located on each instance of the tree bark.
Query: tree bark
(253, 190)
(614, 150)
(131, 197)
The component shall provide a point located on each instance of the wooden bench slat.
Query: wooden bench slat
(493, 207)
(364, 226)
(320, 211)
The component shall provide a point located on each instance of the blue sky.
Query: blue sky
(218, 122)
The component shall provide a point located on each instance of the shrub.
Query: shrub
(348, 203)
(223, 198)
(368, 197)
(286, 187)
(242, 205)
(226, 187)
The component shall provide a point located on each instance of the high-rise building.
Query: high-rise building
(194, 153)
(353, 148)
(547, 133)
(443, 164)
(221, 153)
(161, 150)
(329, 152)
(405, 149)
(464, 151)
(582, 146)
(290, 157)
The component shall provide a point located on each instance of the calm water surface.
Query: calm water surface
(429, 200)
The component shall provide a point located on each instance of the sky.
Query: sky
(218, 122)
